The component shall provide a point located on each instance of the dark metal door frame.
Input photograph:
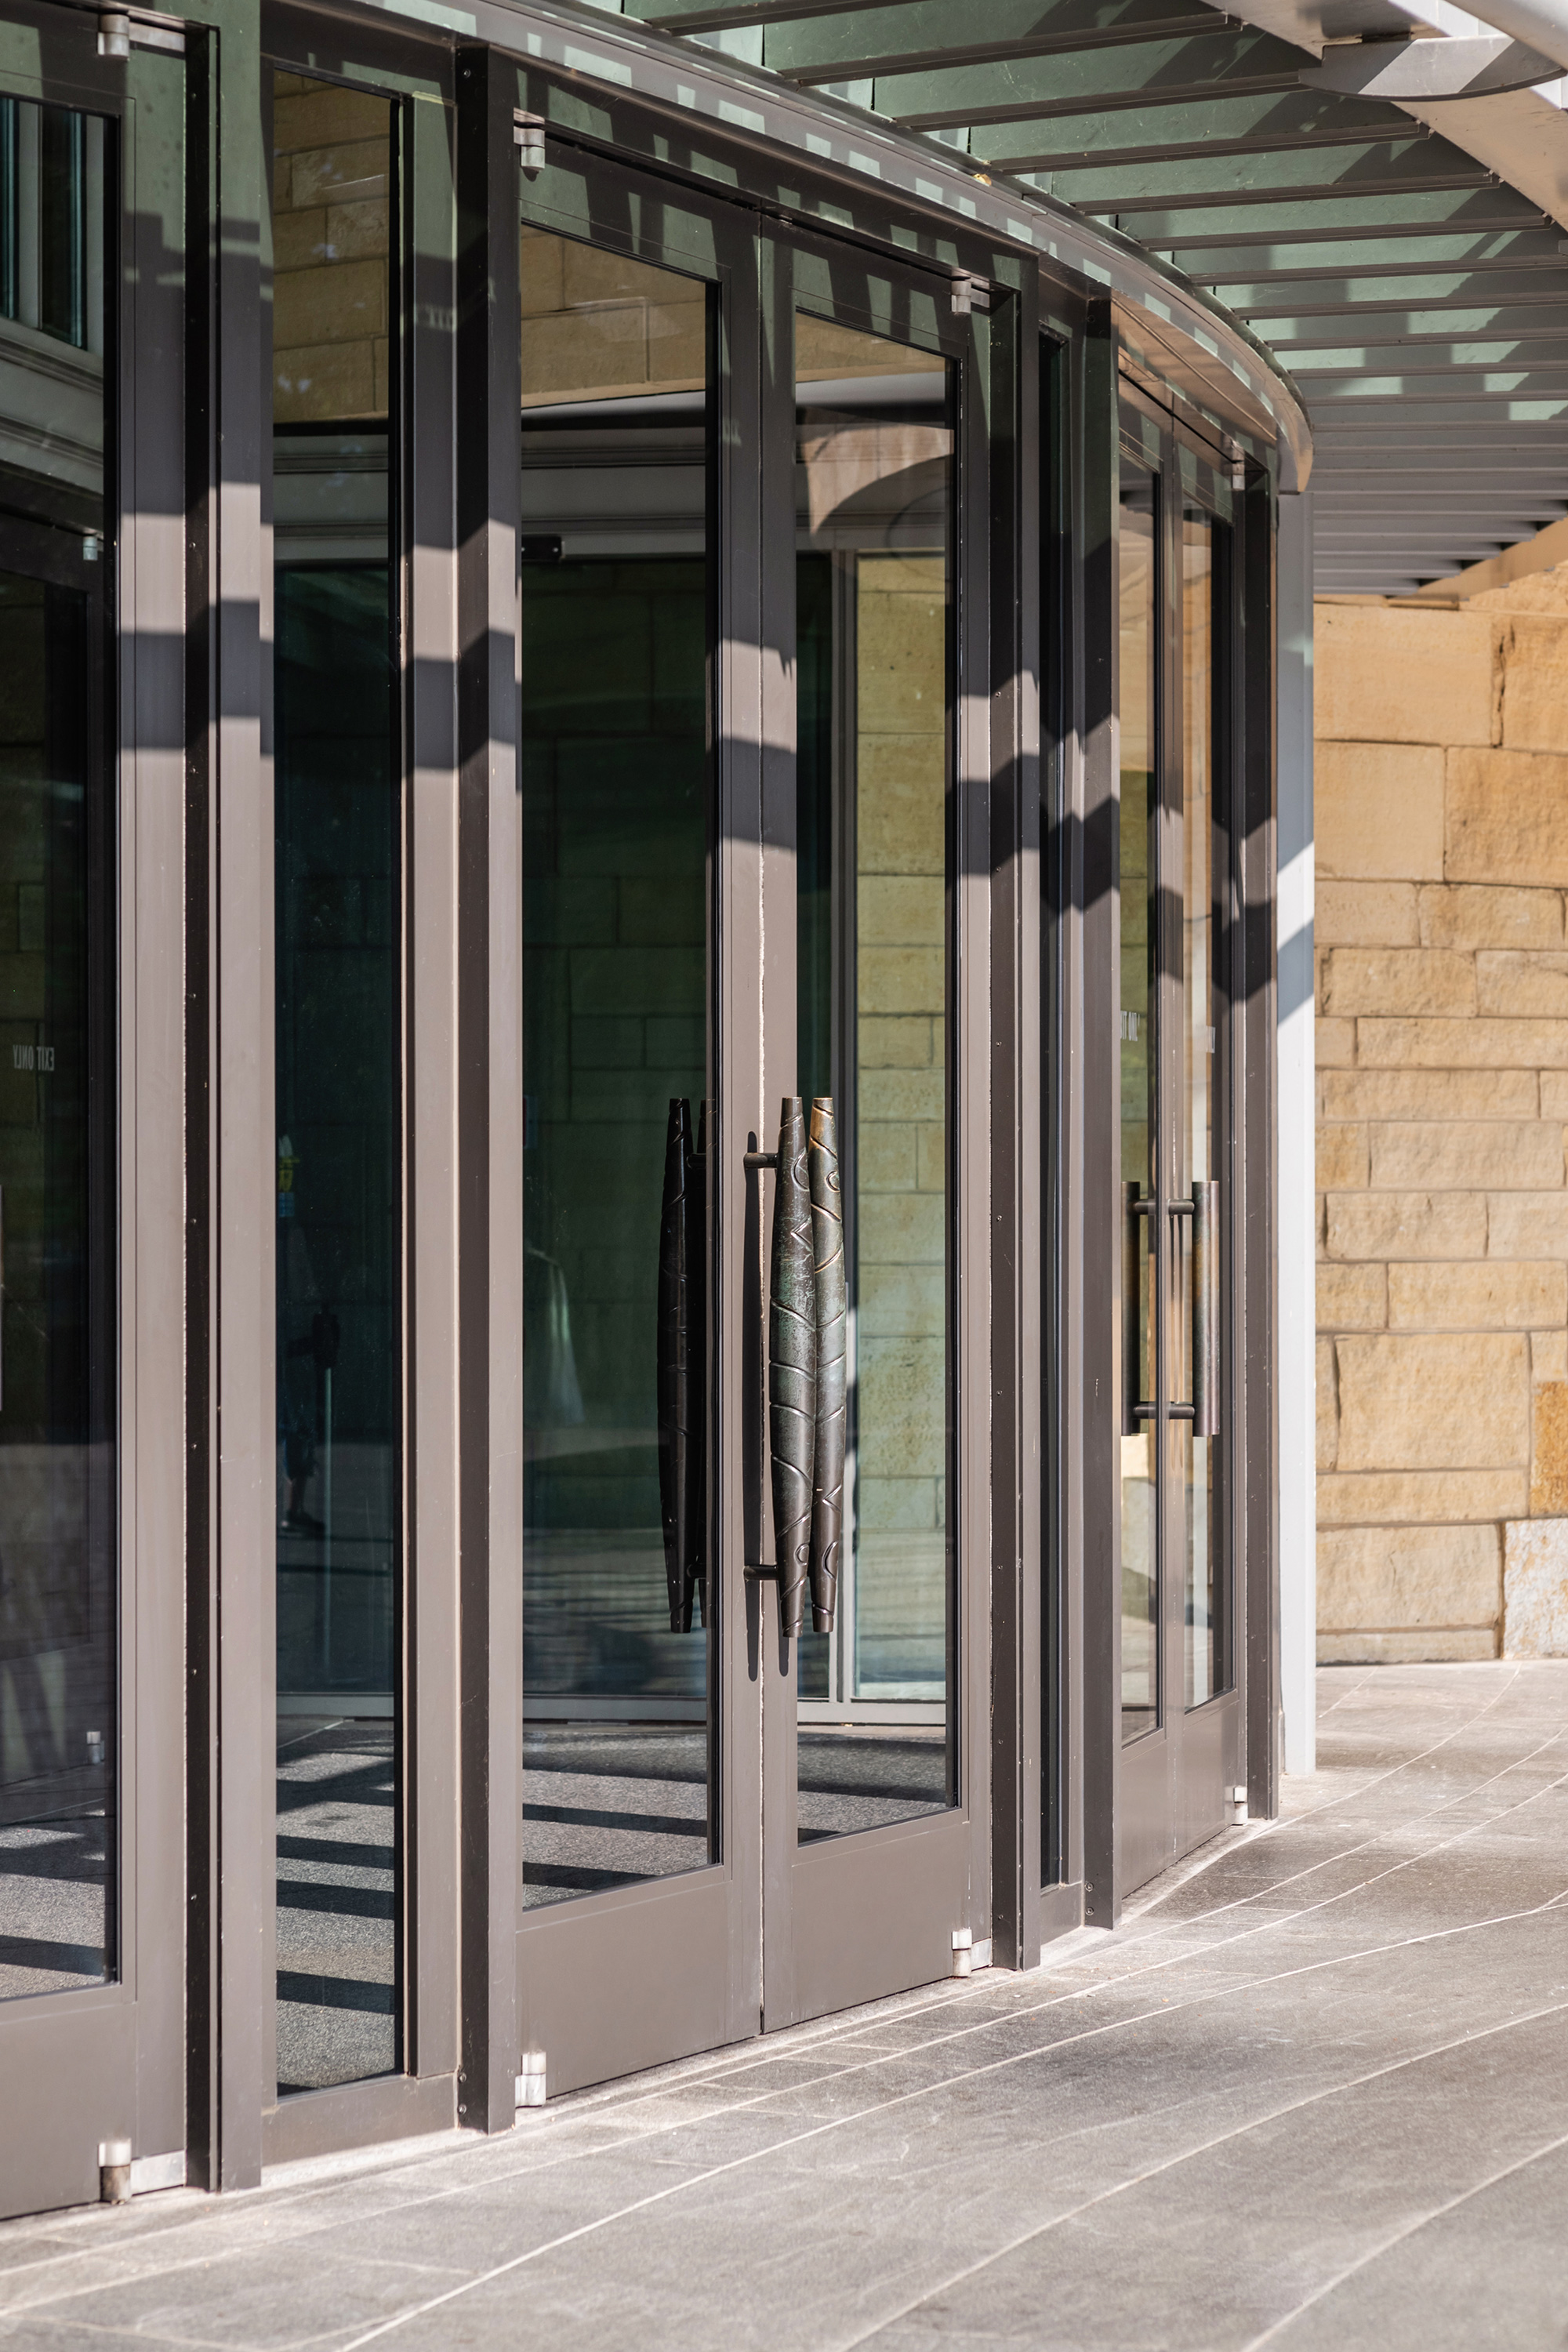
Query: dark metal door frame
(1173, 1783)
(106, 2063)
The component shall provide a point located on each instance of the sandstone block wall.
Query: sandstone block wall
(1442, 1000)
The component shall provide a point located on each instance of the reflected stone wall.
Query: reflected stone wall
(331, 168)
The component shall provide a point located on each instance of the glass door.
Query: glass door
(90, 1904)
(637, 447)
(1178, 1717)
(873, 1787)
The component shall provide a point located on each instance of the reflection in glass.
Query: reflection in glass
(59, 1550)
(616, 580)
(874, 447)
(1139, 720)
(1194, 1462)
(338, 880)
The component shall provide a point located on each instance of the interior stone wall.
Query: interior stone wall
(1442, 1053)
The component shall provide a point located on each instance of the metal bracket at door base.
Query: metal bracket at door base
(529, 2085)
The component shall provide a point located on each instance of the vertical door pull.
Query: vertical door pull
(830, 1303)
(1206, 1309)
(792, 1366)
(682, 1481)
(1135, 1407)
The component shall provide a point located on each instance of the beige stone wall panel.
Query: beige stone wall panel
(1511, 982)
(1444, 1044)
(1534, 684)
(1394, 1498)
(1548, 1354)
(1406, 1225)
(1408, 1153)
(1369, 915)
(1535, 1589)
(1328, 1415)
(1527, 1225)
(1453, 1646)
(1401, 979)
(1378, 811)
(1390, 675)
(1387, 1577)
(1471, 914)
(1352, 1298)
(1549, 1451)
(1335, 1045)
(1505, 818)
(1484, 1297)
(1432, 1095)
(1439, 1402)
(1341, 1158)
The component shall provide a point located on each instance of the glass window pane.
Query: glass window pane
(874, 473)
(1194, 1454)
(59, 1621)
(1140, 784)
(616, 589)
(337, 809)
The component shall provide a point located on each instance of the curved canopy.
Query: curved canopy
(1402, 254)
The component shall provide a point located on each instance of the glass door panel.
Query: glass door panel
(873, 486)
(339, 927)
(1139, 776)
(1193, 1441)
(59, 1628)
(617, 598)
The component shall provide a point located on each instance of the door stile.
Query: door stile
(432, 1346)
(770, 1663)
(1094, 1233)
(1255, 1575)
(490, 1130)
(1018, 1136)
(972, 1274)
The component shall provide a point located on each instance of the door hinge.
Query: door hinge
(528, 137)
(970, 293)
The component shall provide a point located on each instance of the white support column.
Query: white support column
(1296, 1141)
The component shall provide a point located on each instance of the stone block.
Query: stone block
(1378, 811)
(901, 1042)
(324, 115)
(1549, 1450)
(1407, 1152)
(1391, 674)
(1328, 1417)
(1367, 914)
(1399, 979)
(1487, 1297)
(1387, 1498)
(343, 304)
(886, 1157)
(1352, 1298)
(1469, 914)
(1406, 1225)
(932, 1158)
(324, 380)
(900, 911)
(1443, 1045)
(1512, 984)
(901, 1094)
(1549, 1355)
(1408, 1577)
(1444, 1646)
(899, 807)
(1554, 1094)
(1534, 683)
(1431, 1094)
(1334, 1044)
(541, 261)
(1341, 1159)
(1535, 1589)
(1527, 1224)
(903, 1229)
(901, 1301)
(900, 979)
(358, 229)
(1505, 817)
(1439, 1402)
